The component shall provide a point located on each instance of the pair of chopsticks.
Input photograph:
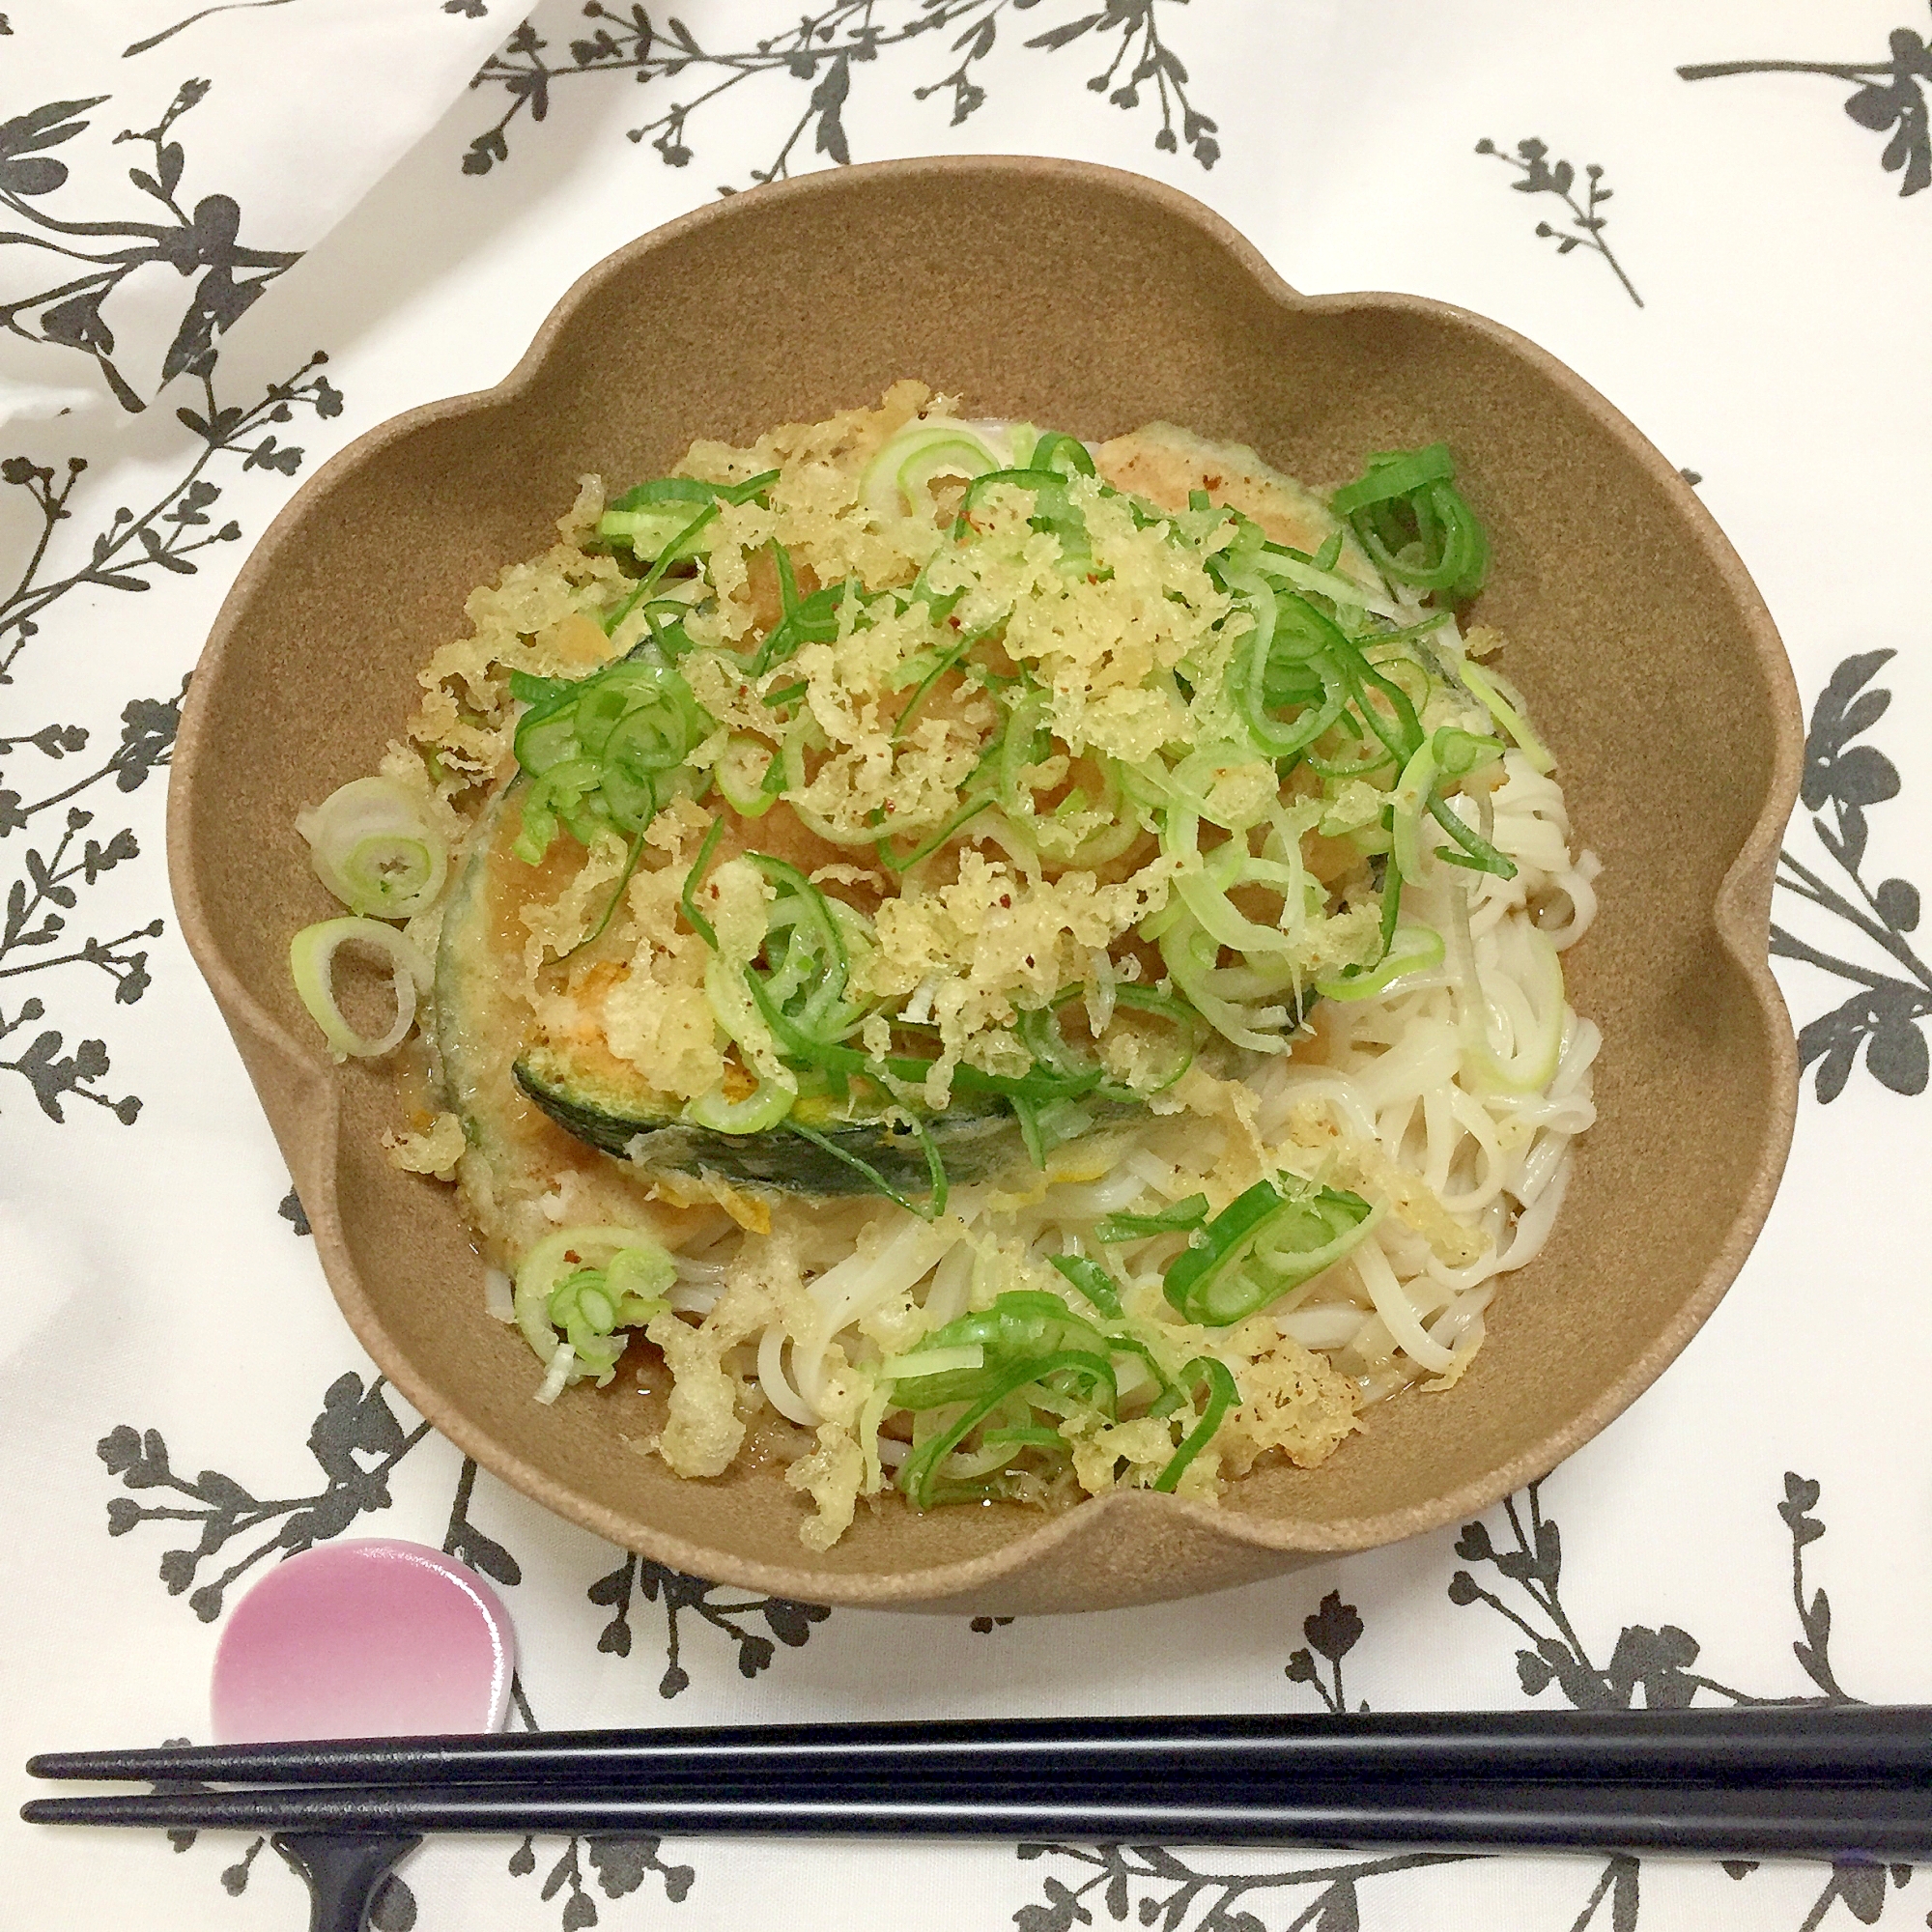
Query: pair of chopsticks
(1805, 1781)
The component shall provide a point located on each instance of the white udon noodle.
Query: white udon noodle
(1410, 1074)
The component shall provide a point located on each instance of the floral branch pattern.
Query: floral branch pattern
(353, 1418)
(683, 1595)
(1539, 177)
(1158, 1888)
(620, 1862)
(130, 553)
(1842, 781)
(29, 924)
(166, 536)
(825, 51)
(1656, 1662)
(193, 19)
(474, 10)
(203, 242)
(41, 898)
(469, 1544)
(1887, 95)
(1332, 1632)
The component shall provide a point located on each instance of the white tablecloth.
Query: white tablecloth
(248, 186)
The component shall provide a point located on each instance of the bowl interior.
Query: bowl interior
(1092, 302)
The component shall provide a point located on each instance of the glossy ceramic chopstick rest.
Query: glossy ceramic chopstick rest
(361, 1637)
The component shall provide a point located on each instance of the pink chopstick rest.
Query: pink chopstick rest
(363, 1639)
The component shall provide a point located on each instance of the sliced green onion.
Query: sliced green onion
(866, 1172)
(677, 548)
(919, 1471)
(373, 848)
(1323, 581)
(935, 1168)
(741, 771)
(694, 919)
(692, 490)
(1373, 755)
(312, 963)
(615, 900)
(1029, 1340)
(1477, 855)
(809, 973)
(668, 535)
(1415, 949)
(1391, 902)
(895, 861)
(1059, 1073)
(1402, 732)
(812, 619)
(1022, 1323)
(1261, 1245)
(1026, 742)
(1536, 1050)
(1182, 1217)
(1458, 754)
(1395, 473)
(931, 1362)
(942, 664)
(1414, 523)
(657, 520)
(911, 460)
(758, 1112)
(1504, 702)
(1292, 650)
(1222, 1396)
(961, 456)
(1409, 801)
(1091, 1279)
(1025, 1435)
(603, 752)
(558, 1374)
(590, 1282)
(1454, 755)
(1027, 1113)
(1053, 513)
(1057, 451)
(1447, 757)
(1032, 1345)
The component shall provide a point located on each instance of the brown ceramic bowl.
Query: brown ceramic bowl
(1095, 302)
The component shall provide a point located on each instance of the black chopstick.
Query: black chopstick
(1892, 1823)
(1856, 1744)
